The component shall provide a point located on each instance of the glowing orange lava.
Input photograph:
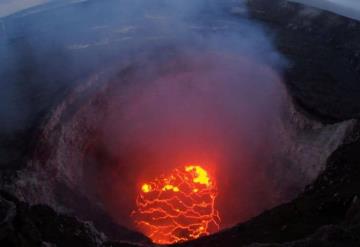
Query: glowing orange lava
(178, 207)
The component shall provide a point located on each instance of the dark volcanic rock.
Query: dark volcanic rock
(86, 210)
(39, 225)
(327, 236)
(120, 244)
(22, 225)
(333, 199)
(323, 50)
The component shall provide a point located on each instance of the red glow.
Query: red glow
(178, 207)
(218, 109)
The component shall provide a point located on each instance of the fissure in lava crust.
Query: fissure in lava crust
(178, 207)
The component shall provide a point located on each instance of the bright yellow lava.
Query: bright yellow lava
(178, 207)
(170, 187)
(146, 188)
(201, 176)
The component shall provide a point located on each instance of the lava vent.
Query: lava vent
(178, 207)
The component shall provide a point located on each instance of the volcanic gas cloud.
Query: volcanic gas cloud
(214, 109)
(174, 82)
(178, 207)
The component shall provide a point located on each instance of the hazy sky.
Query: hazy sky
(350, 8)
(11, 6)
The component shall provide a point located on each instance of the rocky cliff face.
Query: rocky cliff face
(39, 225)
(326, 213)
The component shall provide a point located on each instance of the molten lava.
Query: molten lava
(178, 207)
